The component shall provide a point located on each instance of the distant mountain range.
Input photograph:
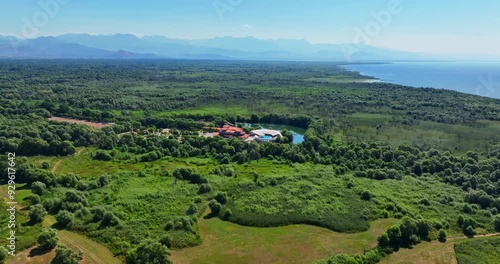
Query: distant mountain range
(127, 46)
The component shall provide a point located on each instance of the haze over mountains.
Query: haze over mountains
(128, 46)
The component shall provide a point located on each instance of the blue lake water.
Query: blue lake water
(479, 78)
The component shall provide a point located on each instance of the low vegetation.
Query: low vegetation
(371, 151)
(480, 251)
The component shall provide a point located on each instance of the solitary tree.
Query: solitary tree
(37, 213)
(496, 223)
(109, 219)
(192, 209)
(48, 239)
(215, 207)
(221, 197)
(469, 231)
(383, 240)
(65, 218)
(65, 255)
(204, 188)
(442, 235)
(460, 220)
(394, 234)
(366, 195)
(227, 214)
(38, 187)
(45, 165)
(408, 228)
(34, 199)
(151, 252)
(166, 241)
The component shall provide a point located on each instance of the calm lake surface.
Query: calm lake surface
(479, 78)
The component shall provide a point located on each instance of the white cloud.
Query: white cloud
(248, 26)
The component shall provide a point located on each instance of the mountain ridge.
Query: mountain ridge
(82, 45)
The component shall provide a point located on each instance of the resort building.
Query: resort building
(228, 131)
(265, 135)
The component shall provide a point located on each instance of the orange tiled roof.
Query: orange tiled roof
(230, 131)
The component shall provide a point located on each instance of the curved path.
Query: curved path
(93, 252)
(56, 166)
(60, 161)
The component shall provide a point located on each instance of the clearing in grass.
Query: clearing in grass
(225, 242)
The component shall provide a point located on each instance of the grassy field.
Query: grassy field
(26, 234)
(424, 253)
(211, 109)
(28, 257)
(225, 242)
(93, 253)
(84, 166)
(270, 190)
(461, 250)
(361, 127)
(478, 251)
(298, 185)
(414, 190)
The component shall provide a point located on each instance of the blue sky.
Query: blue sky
(434, 26)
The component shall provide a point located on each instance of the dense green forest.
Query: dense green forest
(428, 157)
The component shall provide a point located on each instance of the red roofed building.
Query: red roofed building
(228, 131)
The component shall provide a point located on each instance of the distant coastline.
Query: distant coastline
(477, 78)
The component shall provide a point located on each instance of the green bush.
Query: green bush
(204, 188)
(169, 225)
(33, 199)
(215, 207)
(469, 231)
(38, 188)
(45, 165)
(480, 251)
(192, 209)
(221, 197)
(65, 255)
(149, 251)
(109, 219)
(366, 195)
(37, 213)
(227, 213)
(48, 239)
(52, 205)
(496, 223)
(65, 218)
(102, 155)
(442, 235)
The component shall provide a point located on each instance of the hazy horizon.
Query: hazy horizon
(444, 27)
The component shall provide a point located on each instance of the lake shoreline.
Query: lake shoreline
(473, 78)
